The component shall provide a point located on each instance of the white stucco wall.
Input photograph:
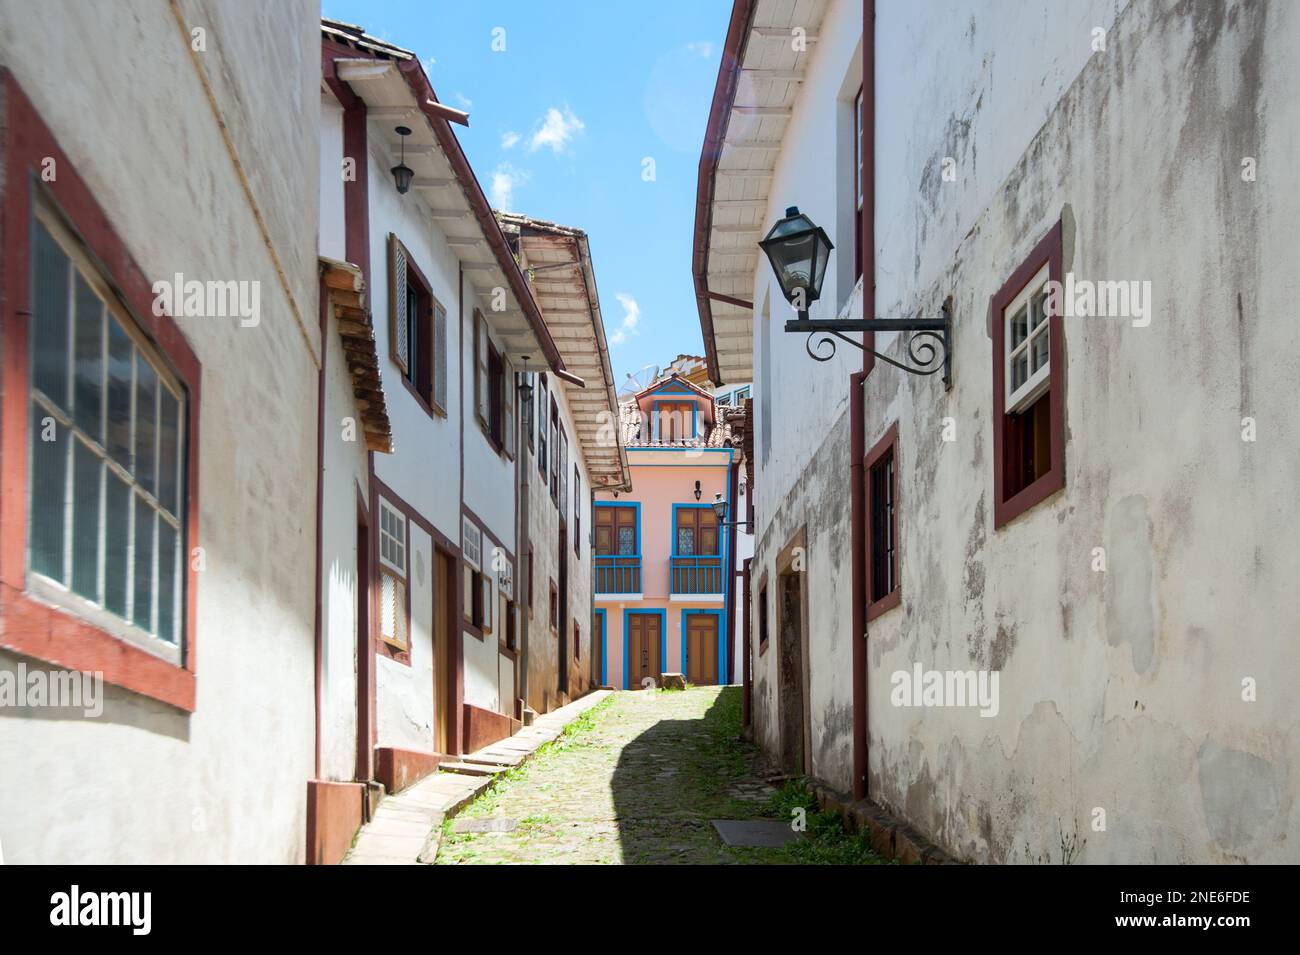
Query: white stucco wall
(543, 534)
(1119, 690)
(145, 782)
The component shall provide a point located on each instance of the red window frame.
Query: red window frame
(1008, 505)
(886, 445)
(31, 628)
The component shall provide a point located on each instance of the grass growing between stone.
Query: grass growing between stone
(638, 779)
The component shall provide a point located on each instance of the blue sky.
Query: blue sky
(562, 123)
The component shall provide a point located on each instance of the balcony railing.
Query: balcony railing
(618, 574)
(696, 575)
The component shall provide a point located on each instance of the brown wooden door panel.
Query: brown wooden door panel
(702, 649)
(643, 649)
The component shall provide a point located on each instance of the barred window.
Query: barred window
(108, 443)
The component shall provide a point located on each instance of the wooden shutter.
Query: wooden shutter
(605, 530)
(508, 404)
(482, 392)
(440, 357)
(398, 333)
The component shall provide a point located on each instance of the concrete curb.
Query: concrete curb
(407, 826)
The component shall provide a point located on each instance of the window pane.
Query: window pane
(119, 394)
(1019, 370)
(167, 581)
(1039, 349)
(49, 470)
(146, 390)
(168, 448)
(627, 540)
(1019, 327)
(85, 520)
(1037, 308)
(117, 540)
(88, 394)
(142, 609)
(50, 320)
(686, 540)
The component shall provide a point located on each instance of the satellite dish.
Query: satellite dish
(639, 381)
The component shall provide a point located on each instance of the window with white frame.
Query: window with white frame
(393, 623)
(1027, 337)
(724, 399)
(107, 470)
(741, 395)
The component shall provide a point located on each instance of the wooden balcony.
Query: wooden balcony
(696, 575)
(617, 574)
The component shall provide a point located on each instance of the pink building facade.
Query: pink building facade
(664, 561)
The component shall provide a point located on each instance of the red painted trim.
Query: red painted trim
(746, 699)
(857, 414)
(894, 597)
(485, 727)
(724, 96)
(398, 768)
(356, 192)
(334, 814)
(730, 602)
(27, 626)
(318, 624)
(1049, 250)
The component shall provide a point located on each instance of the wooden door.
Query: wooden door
(697, 531)
(643, 649)
(702, 649)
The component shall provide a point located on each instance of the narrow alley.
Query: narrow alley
(639, 779)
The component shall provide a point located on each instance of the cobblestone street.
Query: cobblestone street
(635, 780)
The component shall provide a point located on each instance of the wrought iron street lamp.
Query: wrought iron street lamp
(798, 250)
(402, 173)
(720, 509)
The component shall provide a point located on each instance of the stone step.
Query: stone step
(472, 769)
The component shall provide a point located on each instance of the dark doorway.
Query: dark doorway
(791, 696)
(444, 623)
(562, 664)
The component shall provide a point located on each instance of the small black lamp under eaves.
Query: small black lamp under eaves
(402, 173)
(798, 251)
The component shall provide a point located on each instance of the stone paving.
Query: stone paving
(406, 826)
(636, 780)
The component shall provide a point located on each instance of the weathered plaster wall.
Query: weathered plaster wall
(544, 534)
(1120, 690)
(145, 782)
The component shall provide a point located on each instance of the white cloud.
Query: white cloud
(555, 131)
(464, 101)
(631, 310)
(501, 189)
(702, 49)
(631, 318)
(508, 139)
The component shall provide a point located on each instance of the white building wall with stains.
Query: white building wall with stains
(145, 781)
(1122, 690)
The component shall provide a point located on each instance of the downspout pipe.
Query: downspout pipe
(857, 411)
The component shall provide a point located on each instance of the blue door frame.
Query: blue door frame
(722, 641)
(599, 615)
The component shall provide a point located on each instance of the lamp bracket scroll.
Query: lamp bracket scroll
(929, 349)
